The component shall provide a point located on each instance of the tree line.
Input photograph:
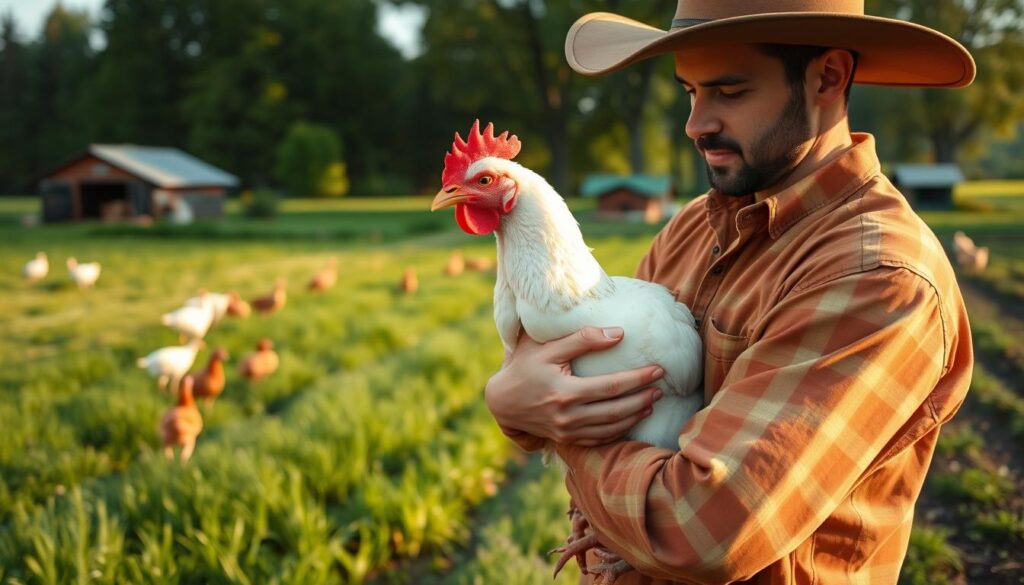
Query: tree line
(231, 80)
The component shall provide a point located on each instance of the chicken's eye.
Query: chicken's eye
(486, 180)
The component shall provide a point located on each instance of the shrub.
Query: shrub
(308, 162)
(383, 186)
(261, 203)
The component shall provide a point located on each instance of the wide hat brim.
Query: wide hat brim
(890, 52)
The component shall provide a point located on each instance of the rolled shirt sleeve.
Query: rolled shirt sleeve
(833, 374)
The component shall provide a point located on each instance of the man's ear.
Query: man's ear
(833, 70)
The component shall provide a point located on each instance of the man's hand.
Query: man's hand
(536, 393)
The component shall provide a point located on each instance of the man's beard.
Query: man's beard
(769, 158)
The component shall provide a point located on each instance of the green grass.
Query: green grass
(368, 446)
(367, 453)
(930, 560)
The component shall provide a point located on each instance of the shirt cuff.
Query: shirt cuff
(525, 441)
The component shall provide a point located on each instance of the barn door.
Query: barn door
(57, 201)
(139, 196)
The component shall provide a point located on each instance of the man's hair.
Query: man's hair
(796, 58)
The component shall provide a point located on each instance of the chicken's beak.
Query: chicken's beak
(448, 196)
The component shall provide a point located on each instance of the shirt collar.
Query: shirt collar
(833, 182)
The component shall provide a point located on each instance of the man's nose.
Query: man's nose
(702, 121)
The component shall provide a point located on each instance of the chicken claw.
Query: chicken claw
(611, 569)
(577, 544)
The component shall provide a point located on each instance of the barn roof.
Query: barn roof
(163, 166)
(940, 175)
(652, 186)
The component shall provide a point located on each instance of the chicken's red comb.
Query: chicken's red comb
(465, 153)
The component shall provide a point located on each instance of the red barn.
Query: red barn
(645, 198)
(126, 181)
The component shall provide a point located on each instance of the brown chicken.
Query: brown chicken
(479, 264)
(274, 301)
(325, 278)
(455, 264)
(409, 283)
(237, 306)
(209, 383)
(968, 256)
(181, 424)
(256, 366)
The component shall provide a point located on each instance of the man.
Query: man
(836, 341)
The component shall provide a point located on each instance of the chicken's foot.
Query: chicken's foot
(577, 544)
(613, 567)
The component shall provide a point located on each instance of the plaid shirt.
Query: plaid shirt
(836, 344)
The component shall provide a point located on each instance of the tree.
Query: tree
(64, 65)
(504, 60)
(993, 31)
(309, 162)
(262, 65)
(136, 93)
(16, 162)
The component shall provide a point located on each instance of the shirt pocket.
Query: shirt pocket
(721, 350)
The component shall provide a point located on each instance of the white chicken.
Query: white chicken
(83, 274)
(549, 283)
(170, 364)
(217, 302)
(36, 268)
(190, 321)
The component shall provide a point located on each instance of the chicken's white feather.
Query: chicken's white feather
(549, 283)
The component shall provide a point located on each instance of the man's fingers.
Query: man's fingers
(612, 411)
(617, 384)
(583, 341)
(593, 435)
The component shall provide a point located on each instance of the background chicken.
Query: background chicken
(182, 423)
(410, 283)
(969, 256)
(36, 268)
(479, 264)
(237, 306)
(85, 274)
(192, 322)
(455, 265)
(549, 284)
(325, 278)
(218, 303)
(256, 366)
(209, 382)
(274, 301)
(170, 364)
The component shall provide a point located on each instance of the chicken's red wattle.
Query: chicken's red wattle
(477, 221)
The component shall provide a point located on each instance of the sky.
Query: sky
(400, 24)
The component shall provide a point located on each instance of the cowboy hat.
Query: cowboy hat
(890, 52)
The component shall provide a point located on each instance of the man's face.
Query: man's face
(750, 125)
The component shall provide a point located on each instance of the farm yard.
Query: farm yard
(369, 456)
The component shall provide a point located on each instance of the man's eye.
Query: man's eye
(486, 180)
(732, 95)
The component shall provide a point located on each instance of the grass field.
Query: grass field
(368, 456)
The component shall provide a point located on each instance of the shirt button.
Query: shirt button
(718, 269)
(715, 250)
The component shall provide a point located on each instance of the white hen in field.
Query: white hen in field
(36, 268)
(190, 321)
(217, 302)
(83, 274)
(170, 364)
